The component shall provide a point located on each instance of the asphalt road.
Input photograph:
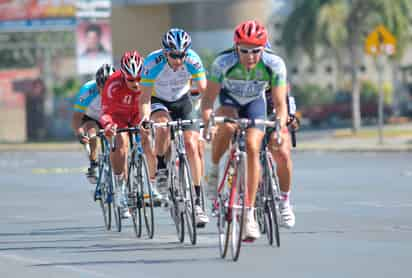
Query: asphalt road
(354, 219)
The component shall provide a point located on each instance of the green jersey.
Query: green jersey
(243, 85)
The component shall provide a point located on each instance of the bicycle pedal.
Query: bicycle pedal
(201, 225)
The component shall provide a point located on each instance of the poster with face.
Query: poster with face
(93, 45)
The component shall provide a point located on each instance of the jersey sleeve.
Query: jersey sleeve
(216, 71)
(81, 101)
(151, 68)
(195, 66)
(278, 69)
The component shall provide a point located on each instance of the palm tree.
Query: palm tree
(341, 24)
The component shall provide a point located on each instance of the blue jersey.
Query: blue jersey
(88, 100)
(170, 85)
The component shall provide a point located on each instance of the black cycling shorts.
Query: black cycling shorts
(179, 109)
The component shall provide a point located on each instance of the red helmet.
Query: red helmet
(131, 64)
(251, 32)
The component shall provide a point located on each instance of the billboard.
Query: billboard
(94, 46)
(93, 35)
(20, 15)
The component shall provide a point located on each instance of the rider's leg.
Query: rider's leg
(253, 143)
(162, 140)
(220, 144)
(119, 156)
(282, 156)
(119, 163)
(162, 143)
(223, 134)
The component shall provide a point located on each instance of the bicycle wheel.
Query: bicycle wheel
(134, 201)
(105, 198)
(116, 206)
(174, 198)
(223, 218)
(146, 195)
(188, 191)
(237, 199)
(260, 209)
(272, 189)
(102, 186)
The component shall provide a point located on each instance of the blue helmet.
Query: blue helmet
(176, 40)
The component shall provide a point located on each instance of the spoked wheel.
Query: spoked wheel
(237, 200)
(260, 210)
(188, 192)
(116, 208)
(105, 196)
(268, 222)
(134, 201)
(146, 196)
(174, 196)
(223, 222)
(272, 194)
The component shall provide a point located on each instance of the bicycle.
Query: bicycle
(104, 192)
(181, 188)
(231, 192)
(140, 192)
(268, 194)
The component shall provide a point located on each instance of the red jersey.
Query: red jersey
(120, 105)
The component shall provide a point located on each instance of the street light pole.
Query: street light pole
(380, 65)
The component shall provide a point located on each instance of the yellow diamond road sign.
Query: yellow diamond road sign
(380, 41)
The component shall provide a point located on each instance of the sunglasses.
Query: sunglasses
(255, 50)
(180, 55)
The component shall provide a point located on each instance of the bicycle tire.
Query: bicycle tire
(273, 186)
(188, 191)
(223, 220)
(238, 206)
(146, 195)
(260, 209)
(134, 201)
(102, 186)
(176, 215)
(116, 208)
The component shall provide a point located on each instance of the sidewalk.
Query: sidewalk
(397, 138)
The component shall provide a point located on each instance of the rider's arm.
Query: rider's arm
(144, 102)
(279, 90)
(79, 108)
(215, 78)
(208, 99)
(106, 114)
(279, 103)
(77, 122)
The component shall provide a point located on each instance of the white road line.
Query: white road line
(19, 258)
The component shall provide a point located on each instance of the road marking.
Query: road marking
(45, 171)
(36, 262)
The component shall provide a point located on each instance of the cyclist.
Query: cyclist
(85, 121)
(240, 77)
(166, 80)
(120, 109)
